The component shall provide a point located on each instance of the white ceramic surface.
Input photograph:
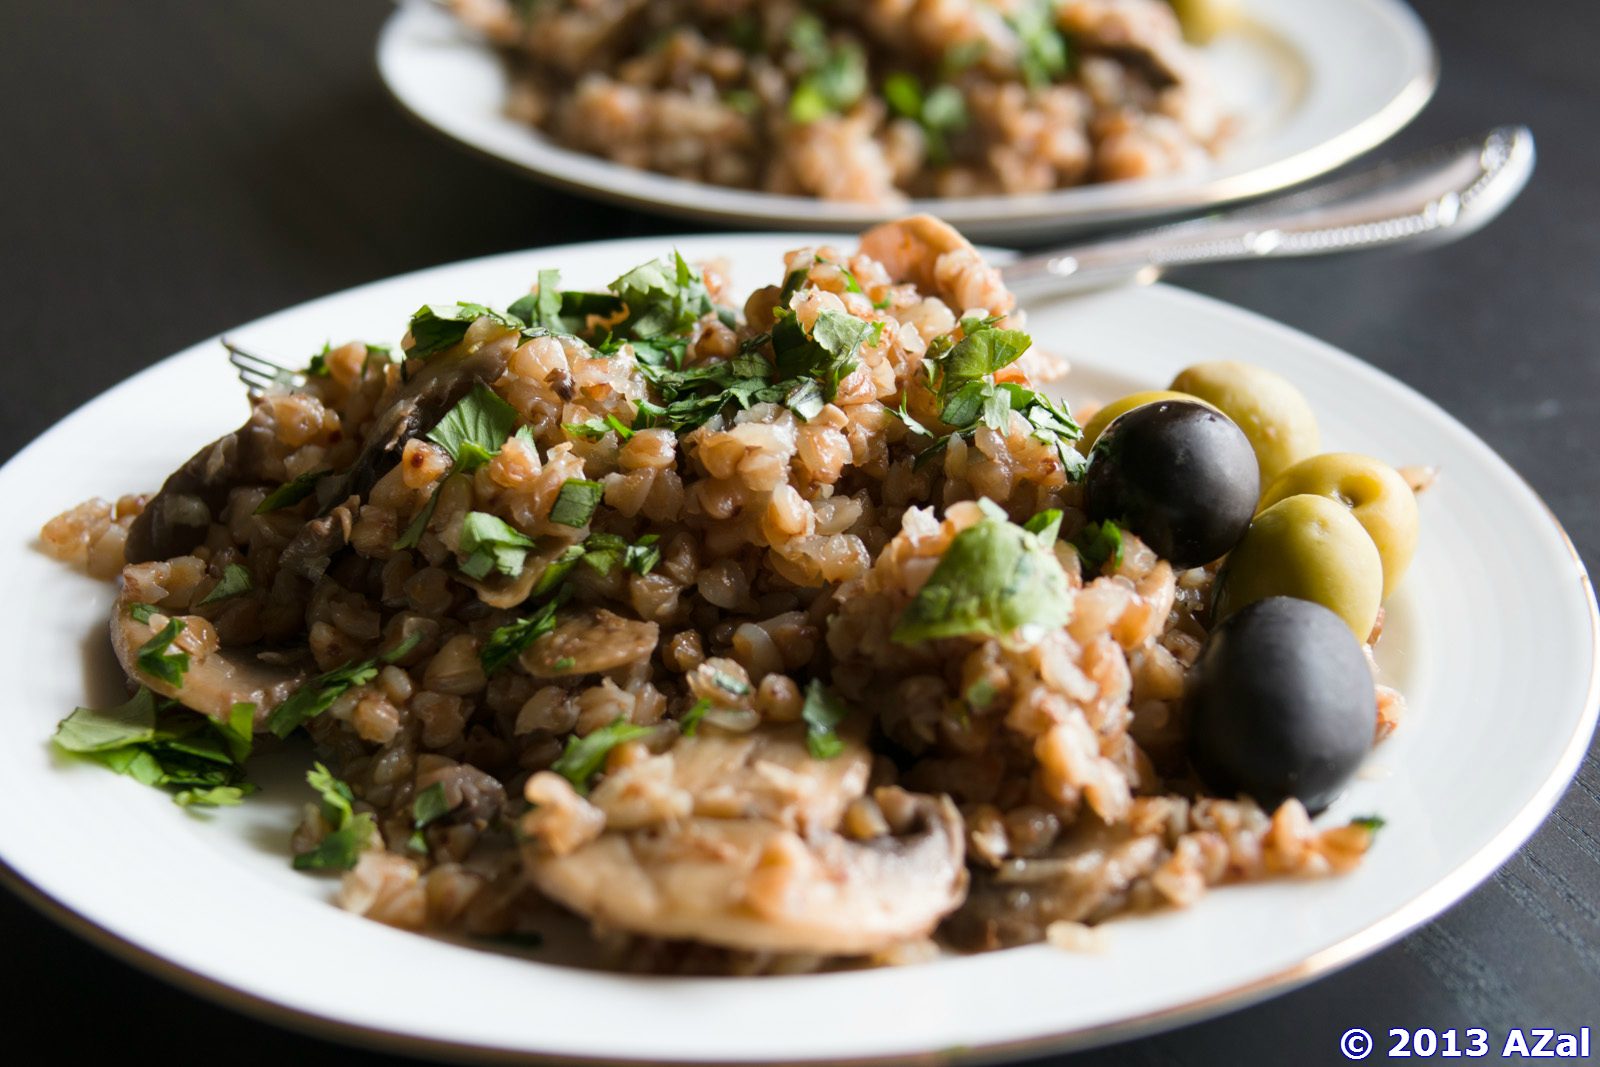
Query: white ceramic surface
(1313, 83)
(1492, 636)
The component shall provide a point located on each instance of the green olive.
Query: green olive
(1272, 413)
(1204, 19)
(1309, 547)
(1102, 418)
(1376, 495)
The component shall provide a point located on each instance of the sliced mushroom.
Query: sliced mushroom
(215, 681)
(311, 550)
(415, 409)
(592, 640)
(768, 774)
(1083, 882)
(753, 884)
(177, 517)
(498, 591)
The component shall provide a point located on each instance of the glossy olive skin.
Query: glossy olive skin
(1273, 414)
(1308, 547)
(1178, 474)
(1122, 405)
(1281, 705)
(1374, 492)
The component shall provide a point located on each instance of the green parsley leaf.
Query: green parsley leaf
(348, 832)
(595, 428)
(317, 696)
(983, 352)
(235, 580)
(156, 659)
(805, 400)
(583, 757)
(216, 796)
(690, 723)
(828, 354)
(542, 308)
(576, 503)
(1046, 524)
(663, 297)
(239, 731)
(1044, 57)
(143, 612)
(1098, 542)
(474, 430)
(292, 492)
(822, 714)
(430, 805)
(318, 367)
(605, 552)
(1370, 823)
(833, 86)
(490, 543)
(405, 647)
(508, 641)
(995, 577)
(435, 327)
(189, 753)
(87, 730)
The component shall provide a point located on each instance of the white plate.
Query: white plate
(1492, 636)
(1315, 83)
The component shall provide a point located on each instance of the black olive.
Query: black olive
(1281, 704)
(1178, 474)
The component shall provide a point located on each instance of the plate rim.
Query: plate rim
(1425, 906)
(753, 209)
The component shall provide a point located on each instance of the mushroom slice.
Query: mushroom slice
(590, 640)
(415, 409)
(768, 774)
(752, 884)
(216, 679)
(177, 517)
(498, 591)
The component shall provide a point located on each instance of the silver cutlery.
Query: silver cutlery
(1433, 196)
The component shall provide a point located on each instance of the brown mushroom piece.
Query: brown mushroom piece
(177, 517)
(590, 640)
(753, 884)
(215, 681)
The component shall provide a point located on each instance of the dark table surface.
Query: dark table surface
(175, 168)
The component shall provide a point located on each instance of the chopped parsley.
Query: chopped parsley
(605, 552)
(1042, 49)
(597, 427)
(156, 742)
(291, 492)
(576, 502)
(1046, 524)
(962, 373)
(348, 832)
(235, 580)
(940, 112)
(143, 612)
(1370, 823)
(690, 723)
(508, 641)
(430, 805)
(1098, 542)
(583, 757)
(475, 428)
(663, 297)
(828, 354)
(542, 308)
(317, 696)
(835, 78)
(822, 714)
(156, 659)
(435, 327)
(492, 544)
(995, 578)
